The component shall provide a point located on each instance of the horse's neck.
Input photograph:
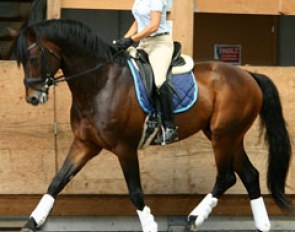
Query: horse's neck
(80, 80)
(90, 84)
(77, 63)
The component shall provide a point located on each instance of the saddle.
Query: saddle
(180, 78)
(140, 60)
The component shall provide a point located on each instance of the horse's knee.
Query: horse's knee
(223, 182)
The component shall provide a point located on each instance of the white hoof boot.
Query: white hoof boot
(260, 215)
(147, 220)
(43, 209)
(199, 214)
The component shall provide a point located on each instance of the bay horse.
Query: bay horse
(105, 114)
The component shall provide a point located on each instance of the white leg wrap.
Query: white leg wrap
(260, 215)
(203, 209)
(147, 221)
(43, 209)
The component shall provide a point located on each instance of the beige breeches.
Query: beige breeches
(160, 50)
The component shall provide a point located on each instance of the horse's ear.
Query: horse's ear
(11, 32)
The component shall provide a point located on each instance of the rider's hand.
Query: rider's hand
(124, 43)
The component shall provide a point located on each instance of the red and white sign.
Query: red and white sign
(228, 53)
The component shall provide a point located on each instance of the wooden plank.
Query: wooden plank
(97, 4)
(26, 137)
(267, 7)
(120, 205)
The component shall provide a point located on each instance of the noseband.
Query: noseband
(47, 78)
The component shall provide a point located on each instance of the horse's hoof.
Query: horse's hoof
(192, 223)
(30, 226)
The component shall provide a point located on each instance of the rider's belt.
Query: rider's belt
(160, 34)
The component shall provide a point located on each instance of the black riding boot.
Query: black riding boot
(169, 132)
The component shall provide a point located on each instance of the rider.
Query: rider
(151, 29)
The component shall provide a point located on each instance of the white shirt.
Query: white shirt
(142, 13)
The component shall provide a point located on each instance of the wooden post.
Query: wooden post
(182, 15)
(53, 9)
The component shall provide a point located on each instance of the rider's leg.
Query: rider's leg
(160, 50)
(169, 133)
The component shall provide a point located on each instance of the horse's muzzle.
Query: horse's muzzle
(36, 99)
(32, 100)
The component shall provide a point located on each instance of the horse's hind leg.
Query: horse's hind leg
(79, 154)
(250, 178)
(129, 162)
(224, 180)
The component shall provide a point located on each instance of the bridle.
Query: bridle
(47, 78)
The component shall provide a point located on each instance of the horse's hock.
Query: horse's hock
(35, 141)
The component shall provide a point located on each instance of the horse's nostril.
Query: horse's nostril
(33, 100)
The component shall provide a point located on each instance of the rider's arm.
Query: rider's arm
(132, 30)
(151, 28)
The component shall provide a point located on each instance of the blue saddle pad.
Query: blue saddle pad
(184, 84)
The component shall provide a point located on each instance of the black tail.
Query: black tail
(278, 140)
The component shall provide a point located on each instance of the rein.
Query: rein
(47, 77)
(62, 78)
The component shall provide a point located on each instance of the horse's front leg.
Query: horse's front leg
(78, 156)
(129, 162)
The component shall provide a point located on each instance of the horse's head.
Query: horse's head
(40, 60)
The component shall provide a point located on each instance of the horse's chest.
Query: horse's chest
(98, 130)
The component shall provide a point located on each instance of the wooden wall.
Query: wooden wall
(27, 152)
(174, 177)
(31, 152)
